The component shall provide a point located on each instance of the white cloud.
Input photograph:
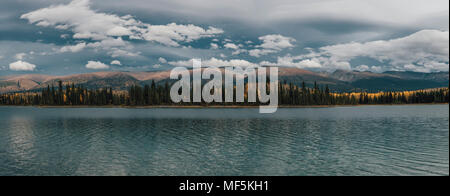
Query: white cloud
(231, 46)
(116, 62)
(423, 51)
(272, 44)
(427, 49)
(162, 60)
(74, 48)
(289, 61)
(156, 66)
(237, 48)
(368, 68)
(86, 23)
(276, 42)
(173, 33)
(214, 46)
(20, 56)
(22, 66)
(109, 43)
(116, 52)
(96, 65)
(214, 62)
(260, 52)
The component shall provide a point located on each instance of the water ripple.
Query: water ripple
(373, 140)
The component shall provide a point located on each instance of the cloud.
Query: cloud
(214, 46)
(156, 66)
(20, 56)
(276, 42)
(96, 65)
(260, 52)
(116, 62)
(237, 48)
(104, 28)
(74, 48)
(162, 60)
(399, 13)
(289, 61)
(173, 33)
(22, 66)
(86, 23)
(231, 46)
(214, 62)
(428, 49)
(423, 51)
(272, 44)
(109, 43)
(368, 68)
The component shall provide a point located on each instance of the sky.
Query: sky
(61, 37)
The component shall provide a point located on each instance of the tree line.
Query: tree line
(159, 94)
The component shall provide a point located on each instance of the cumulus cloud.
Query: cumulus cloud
(214, 62)
(116, 52)
(173, 33)
(162, 60)
(289, 61)
(427, 49)
(276, 42)
(106, 30)
(116, 62)
(86, 23)
(237, 48)
(74, 48)
(272, 44)
(22, 66)
(368, 68)
(96, 65)
(109, 43)
(231, 46)
(214, 46)
(20, 56)
(423, 51)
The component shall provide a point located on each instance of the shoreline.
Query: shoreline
(215, 106)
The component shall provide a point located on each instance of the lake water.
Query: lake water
(368, 140)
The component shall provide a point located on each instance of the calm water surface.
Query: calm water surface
(369, 140)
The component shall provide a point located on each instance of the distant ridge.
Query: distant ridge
(340, 80)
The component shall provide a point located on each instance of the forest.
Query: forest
(159, 95)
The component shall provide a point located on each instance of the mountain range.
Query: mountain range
(339, 80)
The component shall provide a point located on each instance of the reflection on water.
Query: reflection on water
(372, 140)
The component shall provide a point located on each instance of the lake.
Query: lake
(365, 140)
